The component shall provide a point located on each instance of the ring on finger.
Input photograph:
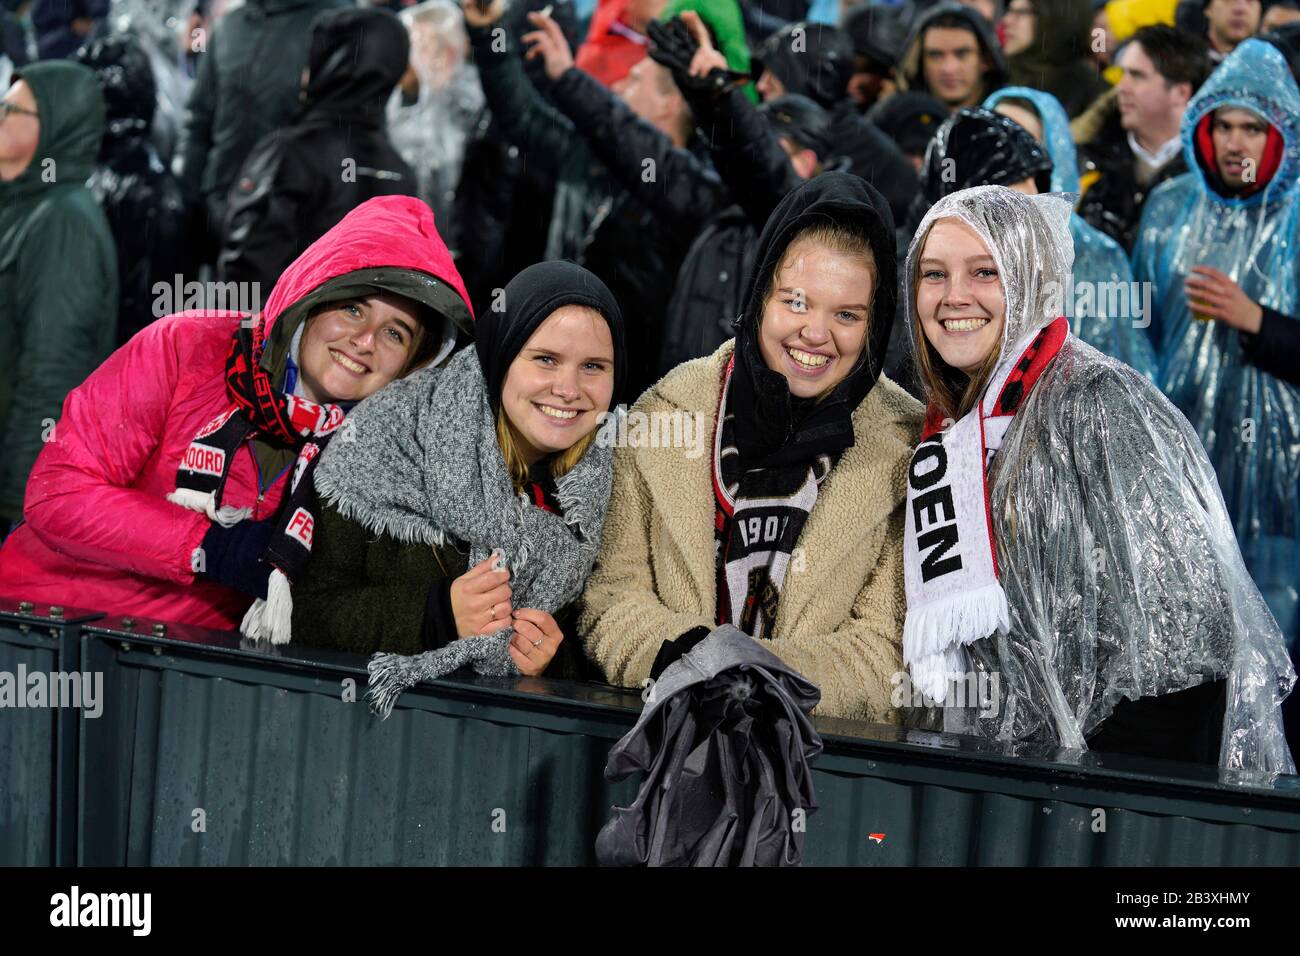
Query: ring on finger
(537, 643)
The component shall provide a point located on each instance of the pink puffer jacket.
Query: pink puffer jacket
(99, 532)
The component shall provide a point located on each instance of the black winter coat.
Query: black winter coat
(503, 203)
(710, 289)
(873, 156)
(300, 181)
(634, 251)
(1112, 199)
(247, 88)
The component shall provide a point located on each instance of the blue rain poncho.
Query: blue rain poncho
(1107, 308)
(1248, 419)
(1121, 571)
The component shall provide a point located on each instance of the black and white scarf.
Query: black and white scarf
(760, 514)
(954, 595)
(260, 410)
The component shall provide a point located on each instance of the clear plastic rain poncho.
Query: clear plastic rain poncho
(1248, 420)
(1119, 563)
(1106, 309)
(160, 27)
(430, 133)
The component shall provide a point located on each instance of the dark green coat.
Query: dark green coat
(58, 271)
(364, 593)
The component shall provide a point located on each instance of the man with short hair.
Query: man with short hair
(952, 54)
(58, 265)
(1129, 140)
(1228, 22)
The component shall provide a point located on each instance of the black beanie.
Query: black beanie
(528, 300)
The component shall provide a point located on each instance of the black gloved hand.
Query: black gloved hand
(671, 651)
(672, 46)
(233, 556)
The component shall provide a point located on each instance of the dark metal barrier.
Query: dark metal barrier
(38, 744)
(208, 752)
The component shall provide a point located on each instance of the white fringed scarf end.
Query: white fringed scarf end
(935, 632)
(272, 619)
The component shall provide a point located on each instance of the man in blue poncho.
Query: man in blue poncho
(1108, 309)
(1219, 245)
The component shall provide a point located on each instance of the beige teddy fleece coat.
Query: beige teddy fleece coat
(840, 618)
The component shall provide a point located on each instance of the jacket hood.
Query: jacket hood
(356, 57)
(71, 109)
(909, 67)
(529, 299)
(1056, 133)
(772, 414)
(1029, 239)
(126, 80)
(819, 67)
(387, 244)
(985, 149)
(1254, 76)
(876, 31)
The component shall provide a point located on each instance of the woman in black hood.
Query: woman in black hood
(762, 486)
(466, 511)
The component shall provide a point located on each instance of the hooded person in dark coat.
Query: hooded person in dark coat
(725, 743)
(247, 87)
(58, 267)
(817, 61)
(1050, 51)
(954, 77)
(877, 33)
(300, 181)
(139, 195)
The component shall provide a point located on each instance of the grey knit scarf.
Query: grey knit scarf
(419, 461)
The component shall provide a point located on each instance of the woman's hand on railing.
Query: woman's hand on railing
(536, 639)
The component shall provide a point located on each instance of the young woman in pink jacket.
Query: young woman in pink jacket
(174, 486)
